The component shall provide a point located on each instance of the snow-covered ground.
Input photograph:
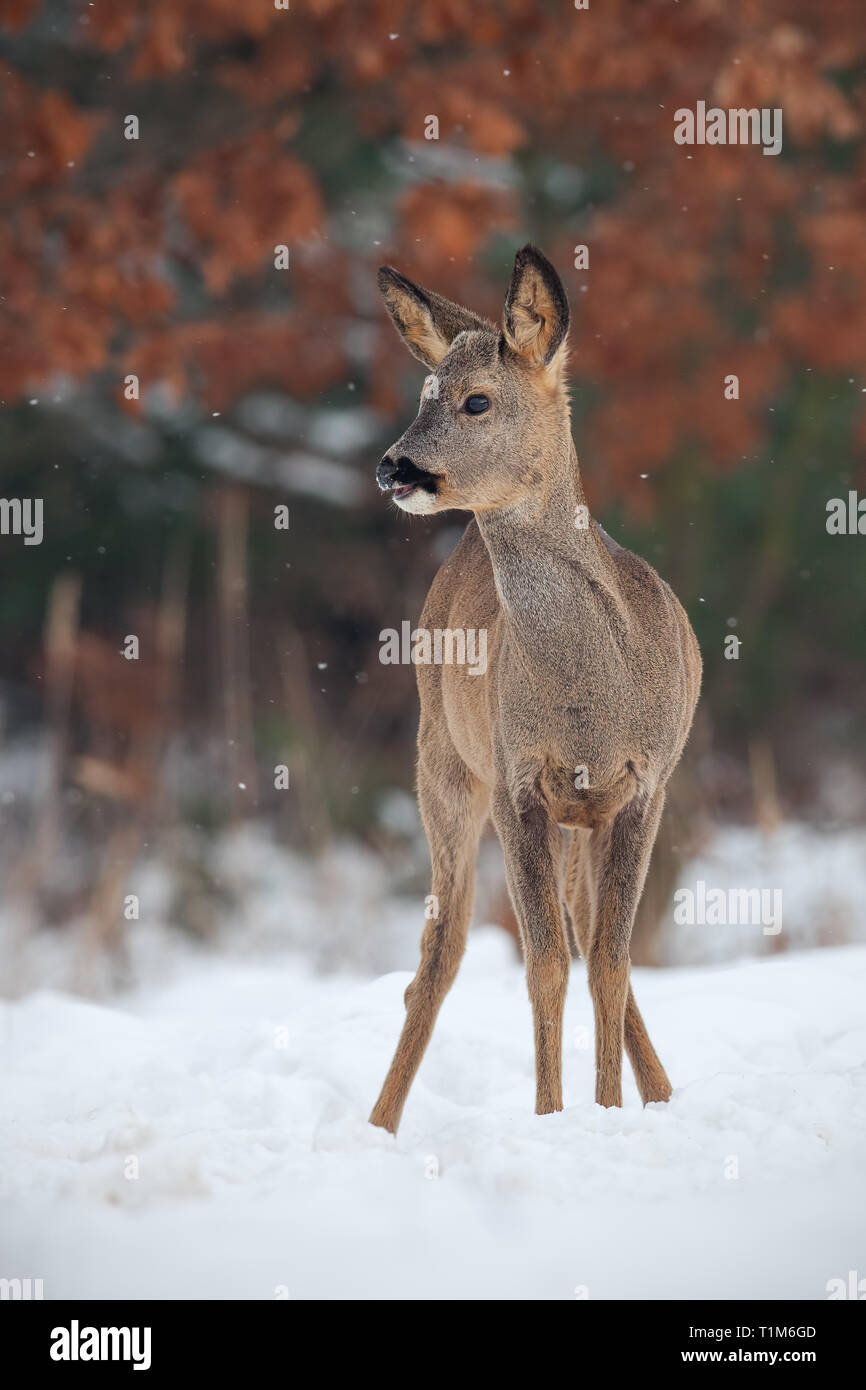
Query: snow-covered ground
(238, 1091)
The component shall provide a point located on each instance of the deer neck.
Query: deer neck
(554, 578)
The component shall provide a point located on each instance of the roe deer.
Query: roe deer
(592, 669)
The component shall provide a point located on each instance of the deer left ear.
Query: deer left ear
(536, 317)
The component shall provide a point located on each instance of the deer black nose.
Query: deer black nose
(394, 471)
(385, 472)
(403, 473)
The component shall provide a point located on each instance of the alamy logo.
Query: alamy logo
(22, 516)
(732, 907)
(442, 647)
(853, 1287)
(738, 126)
(846, 516)
(20, 1290)
(76, 1343)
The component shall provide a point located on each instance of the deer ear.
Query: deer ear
(428, 323)
(535, 321)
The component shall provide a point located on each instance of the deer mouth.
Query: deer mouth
(414, 497)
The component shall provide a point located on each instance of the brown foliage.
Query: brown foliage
(157, 255)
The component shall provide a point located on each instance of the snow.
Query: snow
(241, 1088)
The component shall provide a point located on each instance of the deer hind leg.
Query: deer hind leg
(532, 847)
(453, 808)
(579, 894)
(613, 869)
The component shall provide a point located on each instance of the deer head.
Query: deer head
(495, 402)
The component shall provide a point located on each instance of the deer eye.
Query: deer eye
(476, 405)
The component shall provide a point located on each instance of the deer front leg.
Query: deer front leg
(453, 807)
(532, 845)
(621, 854)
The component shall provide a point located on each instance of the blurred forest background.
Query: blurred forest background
(262, 387)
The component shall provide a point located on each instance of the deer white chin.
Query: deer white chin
(418, 501)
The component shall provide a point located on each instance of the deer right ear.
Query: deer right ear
(427, 322)
(535, 322)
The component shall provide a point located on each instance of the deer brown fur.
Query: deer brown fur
(592, 664)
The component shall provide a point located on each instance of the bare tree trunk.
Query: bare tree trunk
(60, 633)
(232, 530)
(153, 805)
(307, 771)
